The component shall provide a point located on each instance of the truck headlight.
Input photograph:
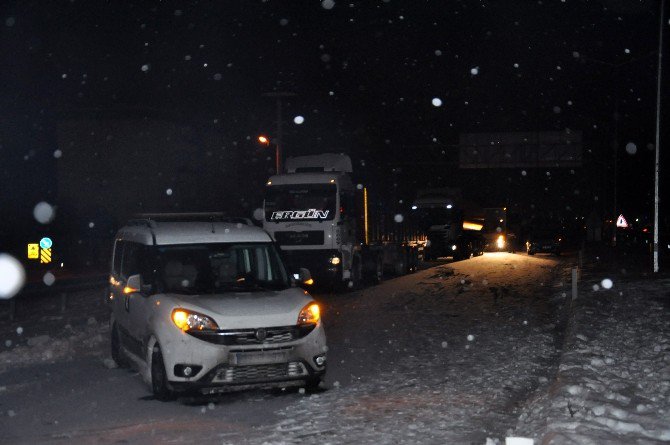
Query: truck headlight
(188, 320)
(310, 314)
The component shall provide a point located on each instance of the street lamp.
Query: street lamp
(266, 141)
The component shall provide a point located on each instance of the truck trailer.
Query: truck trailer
(322, 221)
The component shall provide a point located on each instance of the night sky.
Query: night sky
(364, 74)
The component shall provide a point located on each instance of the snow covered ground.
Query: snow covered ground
(613, 382)
(458, 353)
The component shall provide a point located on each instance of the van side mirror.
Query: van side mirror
(134, 284)
(303, 277)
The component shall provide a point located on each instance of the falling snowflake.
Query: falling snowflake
(49, 278)
(298, 120)
(145, 67)
(631, 148)
(474, 71)
(44, 212)
(168, 192)
(437, 102)
(398, 218)
(12, 276)
(607, 283)
(328, 4)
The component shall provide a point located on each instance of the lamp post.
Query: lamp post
(266, 141)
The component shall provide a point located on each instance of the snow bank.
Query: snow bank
(91, 338)
(613, 383)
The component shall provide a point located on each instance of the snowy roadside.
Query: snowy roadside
(612, 384)
(613, 381)
(45, 334)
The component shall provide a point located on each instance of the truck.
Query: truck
(323, 221)
(456, 227)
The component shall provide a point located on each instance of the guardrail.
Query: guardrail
(61, 287)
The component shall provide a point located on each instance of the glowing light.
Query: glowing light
(180, 318)
(467, 225)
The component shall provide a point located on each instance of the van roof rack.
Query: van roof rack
(150, 219)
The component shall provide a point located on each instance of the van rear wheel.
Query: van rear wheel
(117, 353)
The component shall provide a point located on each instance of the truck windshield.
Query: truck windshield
(431, 216)
(304, 202)
(216, 268)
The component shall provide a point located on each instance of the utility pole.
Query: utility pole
(278, 95)
(658, 133)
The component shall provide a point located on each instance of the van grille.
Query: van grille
(234, 337)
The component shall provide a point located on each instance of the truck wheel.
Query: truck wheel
(378, 275)
(426, 254)
(354, 282)
(400, 267)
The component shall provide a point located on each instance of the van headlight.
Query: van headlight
(189, 320)
(310, 314)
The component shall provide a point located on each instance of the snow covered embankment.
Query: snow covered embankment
(613, 383)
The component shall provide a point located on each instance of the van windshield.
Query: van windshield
(217, 268)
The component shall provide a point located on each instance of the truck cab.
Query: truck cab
(310, 212)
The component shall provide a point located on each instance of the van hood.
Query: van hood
(245, 310)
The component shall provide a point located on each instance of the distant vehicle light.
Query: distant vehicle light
(453, 247)
(335, 260)
(500, 242)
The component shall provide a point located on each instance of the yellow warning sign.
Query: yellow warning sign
(45, 256)
(33, 251)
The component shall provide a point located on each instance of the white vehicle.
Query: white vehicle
(209, 306)
(320, 218)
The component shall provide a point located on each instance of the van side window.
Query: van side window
(137, 259)
(118, 254)
(131, 259)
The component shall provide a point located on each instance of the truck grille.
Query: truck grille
(306, 238)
